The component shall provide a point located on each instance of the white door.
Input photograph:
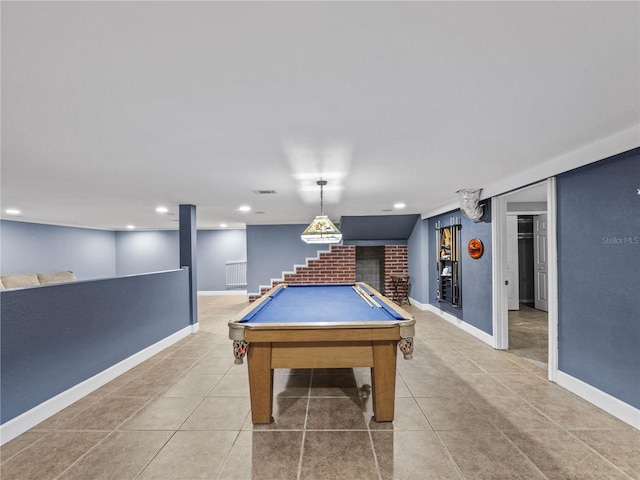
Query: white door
(540, 260)
(513, 286)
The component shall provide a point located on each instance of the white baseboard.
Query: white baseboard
(39, 413)
(470, 329)
(211, 293)
(606, 402)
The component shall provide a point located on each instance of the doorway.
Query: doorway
(370, 266)
(525, 275)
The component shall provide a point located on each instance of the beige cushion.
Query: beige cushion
(58, 277)
(20, 280)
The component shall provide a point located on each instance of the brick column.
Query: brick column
(396, 260)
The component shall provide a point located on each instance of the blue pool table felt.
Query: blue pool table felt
(319, 303)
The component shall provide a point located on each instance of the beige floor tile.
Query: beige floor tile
(146, 385)
(289, 413)
(120, 456)
(219, 413)
(164, 413)
(482, 385)
(211, 365)
(221, 347)
(454, 366)
(173, 348)
(488, 455)
(114, 384)
(413, 455)
(457, 413)
(531, 365)
(172, 365)
(513, 412)
(431, 386)
(231, 386)
(421, 365)
(338, 455)
(264, 456)
(560, 455)
(49, 456)
(191, 455)
(335, 414)
(150, 362)
(401, 388)
(528, 385)
(61, 420)
(236, 370)
(197, 386)
(107, 414)
(575, 413)
(528, 333)
(620, 447)
(483, 353)
(14, 446)
(407, 416)
(192, 350)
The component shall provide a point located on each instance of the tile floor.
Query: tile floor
(463, 411)
(528, 335)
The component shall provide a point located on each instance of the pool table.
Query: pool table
(322, 326)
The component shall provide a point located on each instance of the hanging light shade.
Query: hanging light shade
(469, 203)
(321, 229)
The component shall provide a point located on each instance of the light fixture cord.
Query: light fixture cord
(321, 200)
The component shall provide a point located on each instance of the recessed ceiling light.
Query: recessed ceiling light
(12, 211)
(131, 227)
(162, 209)
(223, 225)
(399, 205)
(245, 208)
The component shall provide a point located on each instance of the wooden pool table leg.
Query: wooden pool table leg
(383, 380)
(260, 381)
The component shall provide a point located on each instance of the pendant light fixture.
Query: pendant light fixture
(321, 229)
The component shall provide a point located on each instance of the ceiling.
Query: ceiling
(110, 109)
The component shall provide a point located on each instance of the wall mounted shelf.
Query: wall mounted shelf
(447, 263)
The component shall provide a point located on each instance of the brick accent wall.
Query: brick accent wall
(339, 266)
(396, 260)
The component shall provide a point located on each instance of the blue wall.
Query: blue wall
(598, 275)
(477, 277)
(214, 248)
(417, 249)
(153, 251)
(272, 249)
(56, 336)
(93, 254)
(36, 248)
(474, 275)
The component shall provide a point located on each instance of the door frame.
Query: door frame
(512, 240)
(498, 266)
